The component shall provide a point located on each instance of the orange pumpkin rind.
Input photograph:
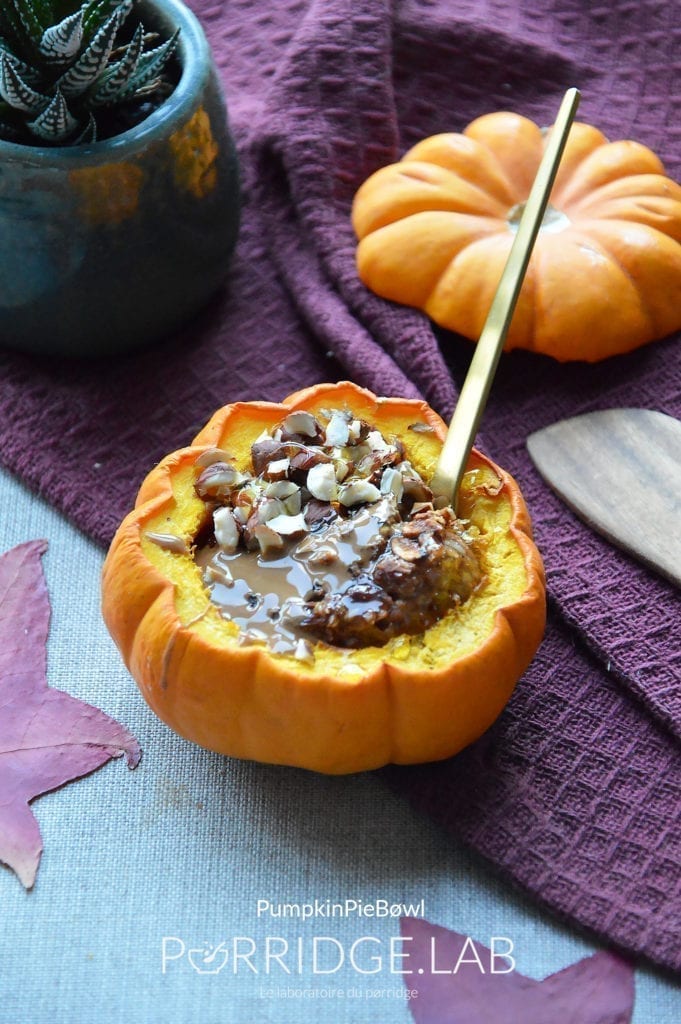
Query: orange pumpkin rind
(416, 699)
(435, 230)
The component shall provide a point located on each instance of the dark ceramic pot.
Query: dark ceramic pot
(110, 246)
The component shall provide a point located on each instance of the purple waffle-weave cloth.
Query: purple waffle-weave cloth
(575, 794)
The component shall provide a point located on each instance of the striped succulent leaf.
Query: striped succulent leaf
(67, 64)
(151, 64)
(56, 123)
(60, 43)
(93, 60)
(88, 134)
(29, 74)
(114, 82)
(97, 11)
(25, 22)
(15, 91)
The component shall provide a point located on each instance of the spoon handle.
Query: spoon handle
(476, 387)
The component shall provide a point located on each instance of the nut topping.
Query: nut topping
(226, 529)
(318, 513)
(212, 455)
(334, 511)
(321, 482)
(288, 526)
(277, 469)
(337, 430)
(168, 542)
(392, 483)
(357, 492)
(409, 550)
(267, 538)
(218, 481)
(301, 424)
(269, 508)
(282, 489)
(303, 651)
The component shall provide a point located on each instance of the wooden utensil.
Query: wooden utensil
(620, 471)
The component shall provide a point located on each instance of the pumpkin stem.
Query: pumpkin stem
(553, 220)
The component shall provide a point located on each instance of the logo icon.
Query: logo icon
(208, 959)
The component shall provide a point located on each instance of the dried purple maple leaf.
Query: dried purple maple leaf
(47, 737)
(452, 976)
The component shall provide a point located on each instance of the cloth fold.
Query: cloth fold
(576, 792)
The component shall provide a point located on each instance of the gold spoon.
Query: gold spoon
(476, 387)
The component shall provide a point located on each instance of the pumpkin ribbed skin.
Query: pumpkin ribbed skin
(436, 228)
(416, 699)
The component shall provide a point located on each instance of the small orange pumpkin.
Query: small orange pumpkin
(436, 228)
(418, 698)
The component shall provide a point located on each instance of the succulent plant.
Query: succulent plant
(67, 69)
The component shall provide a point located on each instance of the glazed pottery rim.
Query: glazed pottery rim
(195, 61)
